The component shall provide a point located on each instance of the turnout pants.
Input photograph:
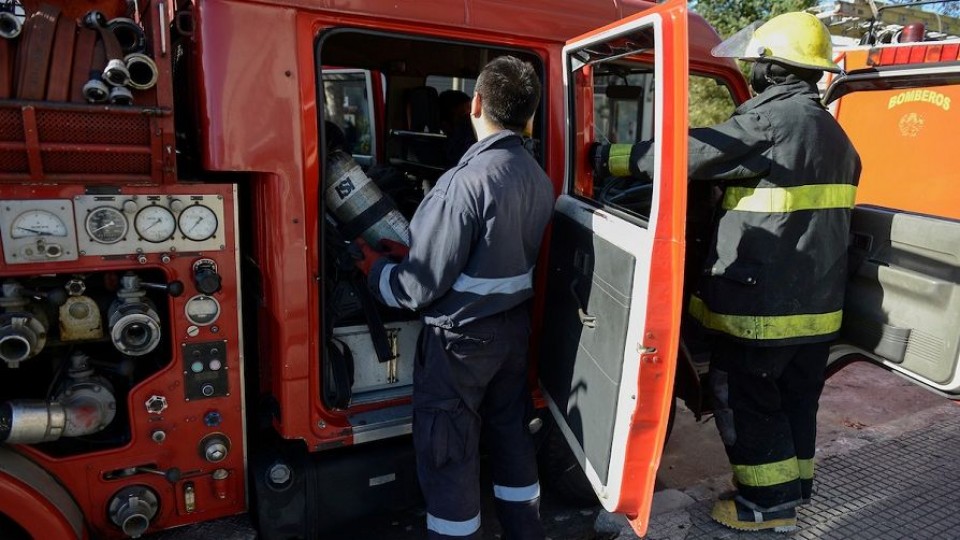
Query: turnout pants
(466, 379)
(765, 405)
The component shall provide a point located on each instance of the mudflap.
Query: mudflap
(317, 495)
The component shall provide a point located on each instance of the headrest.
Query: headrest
(423, 111)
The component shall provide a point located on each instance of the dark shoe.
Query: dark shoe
(733, 514)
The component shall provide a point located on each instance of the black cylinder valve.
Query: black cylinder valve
(205, 276)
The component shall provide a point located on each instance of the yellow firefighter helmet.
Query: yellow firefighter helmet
(797, 39)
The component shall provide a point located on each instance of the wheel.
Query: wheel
(10, 530)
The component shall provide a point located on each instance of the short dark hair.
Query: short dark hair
(510, 92)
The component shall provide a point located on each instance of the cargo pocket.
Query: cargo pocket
(445, 432)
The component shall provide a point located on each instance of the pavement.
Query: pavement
(893, 485)
(888, 466)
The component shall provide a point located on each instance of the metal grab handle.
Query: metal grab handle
(590, 321)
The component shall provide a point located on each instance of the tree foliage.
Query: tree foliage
(728, 16)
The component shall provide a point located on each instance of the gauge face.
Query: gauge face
(155, 224)
(202, 310)
(106, 225)
(37, 223)
(198, 222)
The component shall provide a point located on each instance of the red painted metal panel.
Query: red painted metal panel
(183, 422)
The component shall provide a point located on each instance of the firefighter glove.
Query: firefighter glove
(364, 256)
(396, 251)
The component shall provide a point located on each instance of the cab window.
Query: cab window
(347, 102)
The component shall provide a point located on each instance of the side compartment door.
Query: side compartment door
(902, 306)
(615, 266)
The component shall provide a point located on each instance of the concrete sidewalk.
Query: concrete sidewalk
(888, 483)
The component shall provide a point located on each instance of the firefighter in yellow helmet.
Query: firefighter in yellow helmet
(772, 285)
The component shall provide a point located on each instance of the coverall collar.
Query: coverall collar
(484, 144)
(779, 92)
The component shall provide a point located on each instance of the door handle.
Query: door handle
(590, 321)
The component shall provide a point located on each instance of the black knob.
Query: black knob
(207, 279)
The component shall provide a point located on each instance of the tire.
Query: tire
(10, 530)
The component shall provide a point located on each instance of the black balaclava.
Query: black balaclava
(765, 74)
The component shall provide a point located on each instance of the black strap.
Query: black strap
(367, 218)
(378, 332)
(341, 369)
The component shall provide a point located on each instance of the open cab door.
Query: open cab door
(614, 286)
(902, 307)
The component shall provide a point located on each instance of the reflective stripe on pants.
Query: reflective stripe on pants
(464, 379)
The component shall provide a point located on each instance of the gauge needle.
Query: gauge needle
(158, 220)
(199, 220)
(111, 224)
(34, 231)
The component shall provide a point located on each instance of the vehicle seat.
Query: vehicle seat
(420, 147)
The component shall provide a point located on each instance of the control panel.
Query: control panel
(205, 370)
(124, 224)
(120, 348)
(38, 231)
(53, 230)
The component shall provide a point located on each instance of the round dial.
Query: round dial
(155, 224)
(106, 225)
(198, 222)
(37, 223)
(202, 310)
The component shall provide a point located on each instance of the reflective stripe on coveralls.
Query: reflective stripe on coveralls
(453, 528)
(806, 467)
(481, 286)
(517, 494)
(762, 327)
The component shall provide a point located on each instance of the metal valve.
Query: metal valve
(205, 276)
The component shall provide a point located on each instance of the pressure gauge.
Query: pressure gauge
(198, 223)
(106, 225)
(38, 223)
(202, 310)
(155, 224)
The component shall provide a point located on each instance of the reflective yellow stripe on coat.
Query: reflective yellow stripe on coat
(790, 199)
(766, 326)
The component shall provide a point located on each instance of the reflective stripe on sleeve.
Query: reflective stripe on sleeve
(453, 528)
(806, 468)
(386, 291)
(481, 286)
(618, 160)
(517, 494)
(767, 474)
(766, 326)
(791, 199)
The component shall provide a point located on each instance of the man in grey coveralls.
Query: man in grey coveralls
(474, 243)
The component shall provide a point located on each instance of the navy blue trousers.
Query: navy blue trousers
(466, 379)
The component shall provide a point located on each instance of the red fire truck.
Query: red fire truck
(182, 335)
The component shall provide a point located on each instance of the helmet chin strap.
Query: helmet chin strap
(760, 78)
